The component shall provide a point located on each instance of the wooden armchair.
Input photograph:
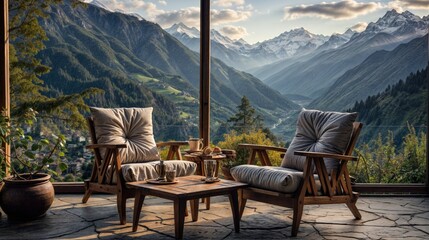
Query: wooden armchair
(317, 185)
(108, 176)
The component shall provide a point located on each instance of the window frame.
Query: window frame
(204, 128)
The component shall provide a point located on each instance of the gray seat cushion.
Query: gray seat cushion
(142, 171)
(132, 126)
(277, 179)
(317, 131)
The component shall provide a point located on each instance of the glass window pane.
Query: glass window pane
(125, 50)
(300, 55)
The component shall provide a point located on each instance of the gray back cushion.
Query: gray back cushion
(317, 131)
(132, 126)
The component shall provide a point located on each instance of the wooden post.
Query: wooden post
(427, 123)
(204, 121)
(4, 75)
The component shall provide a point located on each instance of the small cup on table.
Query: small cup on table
(170, 175)
(210, 169)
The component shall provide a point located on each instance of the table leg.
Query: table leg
(207, 200)
(138, 203)
(179, 217)
(194, 209)
(233, 200)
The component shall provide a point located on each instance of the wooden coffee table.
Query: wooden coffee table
(198, 158)
(188, 188)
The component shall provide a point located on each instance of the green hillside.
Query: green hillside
(90, 47)
(402, 103)
(380, 69)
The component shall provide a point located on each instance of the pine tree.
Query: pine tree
(245, 120)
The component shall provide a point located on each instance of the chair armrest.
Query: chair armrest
(106, 145)
(171, 143)
(173, 149)
(261, 152)
(326, 155)
(262, 147)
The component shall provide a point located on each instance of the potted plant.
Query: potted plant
(28, 192)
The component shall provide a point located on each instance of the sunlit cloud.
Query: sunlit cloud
(228, 16)
(334, 10)
(359, 27)
(234, 32)
(134, 6)
(228, 3)
(189, 16)
(401, 5)
(126, 5)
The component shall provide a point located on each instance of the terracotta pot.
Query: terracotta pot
(27, 199)
(226, 173)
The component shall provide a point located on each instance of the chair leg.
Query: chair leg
(121, 204)
(352, 206)
(297, 215)
(86, 195)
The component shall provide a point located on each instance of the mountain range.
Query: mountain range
(244, 56)
(311, 75)
(138, 63)
(93, 47)
(374, 74)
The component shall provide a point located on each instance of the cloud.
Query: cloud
(162, 2)
(228, 16)
(409, 4)
(335, 10)
(228, 3)
(359, 27)
(189, 16)
(125, 5)
(234, 32)
(133, 6)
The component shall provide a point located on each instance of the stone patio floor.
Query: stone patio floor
(382, 218)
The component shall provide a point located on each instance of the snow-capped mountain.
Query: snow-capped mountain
(295, 42)
(233, 53)
(242, 55)
(314, 73)
(185, 33)
(99, 4)
(404, 26)
(102, 5)
(336, 40)
(239, 45)
(181, 30)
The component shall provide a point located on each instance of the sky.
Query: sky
(259, 20)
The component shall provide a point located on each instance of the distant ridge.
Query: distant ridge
(311, 75)
(379, 70)
(400, 104)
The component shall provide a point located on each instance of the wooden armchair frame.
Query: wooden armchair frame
(335, 187)
(107, 168)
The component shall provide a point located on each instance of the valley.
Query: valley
(121, 53)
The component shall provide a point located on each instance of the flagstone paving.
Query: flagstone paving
(382, 218)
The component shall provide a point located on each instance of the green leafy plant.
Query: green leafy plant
(382, 161)
(30, 155)
(233, 139)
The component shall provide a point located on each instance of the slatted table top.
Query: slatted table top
(187, 186)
